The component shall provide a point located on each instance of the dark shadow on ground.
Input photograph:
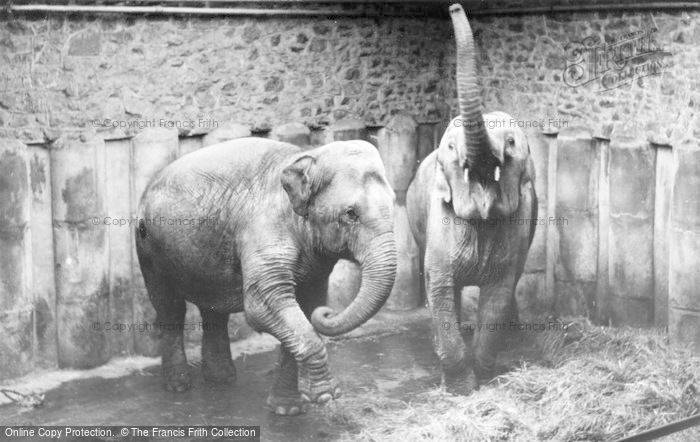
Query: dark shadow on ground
(398, 366)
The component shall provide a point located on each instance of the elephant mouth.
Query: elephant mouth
(347, 255)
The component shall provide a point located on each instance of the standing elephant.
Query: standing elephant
(257, 225)
(472, 207)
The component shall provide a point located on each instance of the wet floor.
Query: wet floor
(398, 366)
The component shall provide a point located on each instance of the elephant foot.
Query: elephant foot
(284, 405)
(461, 385)
(177, 379)
(319, 392)
(220, 372)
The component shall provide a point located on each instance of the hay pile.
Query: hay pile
(595, 384)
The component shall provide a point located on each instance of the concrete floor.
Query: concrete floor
(392, 357)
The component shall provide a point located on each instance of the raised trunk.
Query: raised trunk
(378, 273)
(477, 153)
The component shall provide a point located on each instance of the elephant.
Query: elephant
(472, 211)
(254, 225)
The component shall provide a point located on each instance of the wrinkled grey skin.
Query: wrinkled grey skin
(480, 172)
(278, 220)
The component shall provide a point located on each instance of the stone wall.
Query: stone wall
(62, 74)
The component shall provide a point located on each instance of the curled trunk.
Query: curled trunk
(378, 273)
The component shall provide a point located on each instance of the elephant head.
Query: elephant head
(347, 207)
(482, 159)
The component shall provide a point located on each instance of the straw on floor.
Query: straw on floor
(594, 383)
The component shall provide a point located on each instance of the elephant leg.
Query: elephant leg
(447, 340)
(513, 313)
(495, 307)
(170, 317)
(217, 365)
(285, 398)
(458, 303)
(287, 322)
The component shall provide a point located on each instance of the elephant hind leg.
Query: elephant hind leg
(217, 365)
(170, 318)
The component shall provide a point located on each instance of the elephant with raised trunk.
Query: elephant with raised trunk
(266, 223)
(466, 205)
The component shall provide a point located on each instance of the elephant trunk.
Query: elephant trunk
(478, 153)
(378, 273)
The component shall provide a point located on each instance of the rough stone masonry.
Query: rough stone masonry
(62, 74)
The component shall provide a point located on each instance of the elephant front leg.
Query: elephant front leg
(495, 308)
(448, 343)
(217, 365)
(303, 356)
(285, 399)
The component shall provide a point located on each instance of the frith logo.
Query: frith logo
(609, 66)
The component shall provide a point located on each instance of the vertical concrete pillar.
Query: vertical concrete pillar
(662, 211)
(81, 250)
(429, 135)
(225, 133)
(631, 230)
(530, 292)
(16, 309)
(151, 151)
(344, 282)
(43, 277)
(317, 137)
(576, 222)
(293, 133)
(602, 312)
(398, 147)
(346, 129)
(120, 226)
(552, 246)
(684, 247)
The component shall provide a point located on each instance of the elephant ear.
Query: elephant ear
(297, 180)
(441, 186)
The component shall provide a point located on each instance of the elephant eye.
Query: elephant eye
(511, 141)
(451, 146)
(351, 215)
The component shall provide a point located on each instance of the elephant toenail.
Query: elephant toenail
(305, 398)
(338, 392)
(294, 411)
(324, 398)
(280, 411)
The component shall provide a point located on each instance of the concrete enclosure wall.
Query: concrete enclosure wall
(91, 108)
(595, 252)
